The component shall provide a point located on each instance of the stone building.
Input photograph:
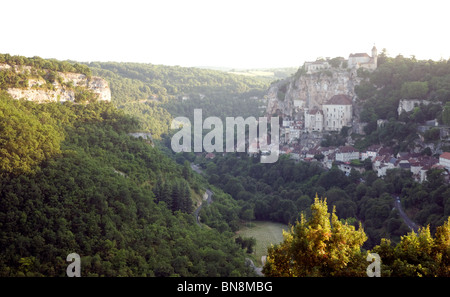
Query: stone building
(406, 105)
(355, 61)
(313, 120)
(363, 60)
(337, 112)
(316, 65)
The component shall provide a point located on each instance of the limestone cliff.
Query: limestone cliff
(289, 96)
(63, 86)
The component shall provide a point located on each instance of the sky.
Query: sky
(242, 34)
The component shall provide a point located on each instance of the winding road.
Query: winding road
(208, 200)
(397, 204)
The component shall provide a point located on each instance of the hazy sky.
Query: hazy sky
(230, 33)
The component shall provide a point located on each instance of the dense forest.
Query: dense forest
(73, 180)
(280, 191)
(20, 70)
(156, 93)
(402, 78)
(322, 245)
(46, 64)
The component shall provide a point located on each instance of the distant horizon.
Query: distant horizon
(250, 34)
(223, 68)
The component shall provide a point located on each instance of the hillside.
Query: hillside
(44, 81)
(73, 179)
(399, 80)
(76, 177)
(156, 93)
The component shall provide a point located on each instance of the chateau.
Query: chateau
(337, 111)
(355, 61)
(320, 98)
(363, 60)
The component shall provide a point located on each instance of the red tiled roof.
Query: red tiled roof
(340, 99)
(347, 149)
(315, 111)
(445, 155)
(360, 55)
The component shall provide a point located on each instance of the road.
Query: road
(258, 270)
(208, 200)
(406, 219)
(196, 168)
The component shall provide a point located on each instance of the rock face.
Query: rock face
(62, 89)
(310, 91)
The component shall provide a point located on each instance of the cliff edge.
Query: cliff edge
(310, 90)
(42, 85)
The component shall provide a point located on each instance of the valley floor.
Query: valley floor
(265, 233)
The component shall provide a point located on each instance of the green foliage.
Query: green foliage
(278, 192)
(414, 89)
(46, 72)
(334, 139)
(318, 247)
(176, 194)
(168, 81)
(336, 62)
(417, 254)
(246, 243)
(48, 64)
(96, 197)
(27, 137)
(402, 78)
(154, 93)
(323, 247)
(83, 95)
(446, 114)
(432, 134)
(282, 89)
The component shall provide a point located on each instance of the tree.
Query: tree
(446, 114)
(187, 171)
(414, 89)
(417, 254)
(318, 247)
(25, 139)
(432, 135)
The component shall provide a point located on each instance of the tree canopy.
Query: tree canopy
(319, 246)
(95, 193)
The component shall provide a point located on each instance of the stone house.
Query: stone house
(346, 154)
(337, 112)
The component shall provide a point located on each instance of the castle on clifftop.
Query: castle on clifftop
(355, 61)
(337, 112)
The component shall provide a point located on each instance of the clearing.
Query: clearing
(265, 233)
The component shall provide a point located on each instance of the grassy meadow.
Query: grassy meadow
(265, 233)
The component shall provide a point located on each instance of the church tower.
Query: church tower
(374, 55)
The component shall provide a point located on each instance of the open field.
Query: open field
(265, 233)
(253, 73)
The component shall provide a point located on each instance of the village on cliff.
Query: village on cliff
(306, 119)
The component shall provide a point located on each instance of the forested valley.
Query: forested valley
(73, 179)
